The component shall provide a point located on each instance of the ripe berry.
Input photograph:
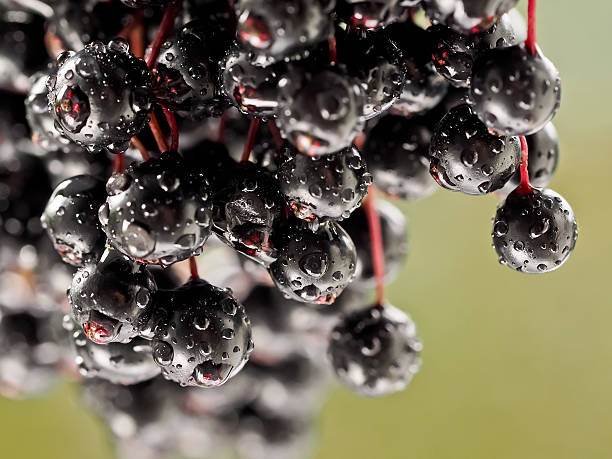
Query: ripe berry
(252, 89)
(324, 187)
(466, 157)
(467, 16)
(100, 96)
(397, 153)
(395, 243)
(71, 219)
(248, 210)
(376, 62)
(320, 112)
(314, 267)
(283, 29)
(368, 14)
(187, 76)
(515, 92)
(118, 363)
(375, 352)
(112, 300)
(159, 211)
(534, 232)
(201, 335)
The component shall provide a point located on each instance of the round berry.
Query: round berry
(112, 300)
(467, 16)
(252, 89)
(322, 187)
(201, 335)
(320, 112)
(314, 267)
(466, 157)
(395, 243)
(100, 96)
(186, 75)
(534, 232)
(423, 89)
(282, 29)
(118, 363)
(452, 55)
(71, 219)
(159, 211)
(397, 153)
(515, 92)
(368, 14)
(375, 352)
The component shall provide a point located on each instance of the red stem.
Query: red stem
(525, 187)
(141, 148)
(119, 163)
(250, 141)
(333, 50)
(162, 143)
(530, 42)
(378, 256)
(174, 132)
(165, 29)
(193, 267)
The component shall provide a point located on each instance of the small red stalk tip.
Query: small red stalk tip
(174, 132)
(530, 42)
(525, 187)
(333, 50)
(250, 141)
(119, 163)
(141, 148)
(378, 256)
(193, 267)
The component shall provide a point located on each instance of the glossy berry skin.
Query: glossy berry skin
(41, 121)
(186, 76)
(320, 112)
(397, 153)
(369, 14)
(467, 16)
(112, 300)
(324, 187)
(283, 29)
(543, 148)
(314, 267)
(118, 363)
(71, 219)
(252, 89)
(145, 3)
(394, 238)
(465, 157)
(158, 212)
(100, 96)
(534, 232)
(248, 211)
(201, 335)
(515, 92)
(375, 351)
(376, 62)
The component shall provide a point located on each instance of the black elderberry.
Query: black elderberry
(283, 29)
(323, 187)
(118, 363)
(394, 238)
(370, 14)
(201, 334)
(515, 92)
(320, 112)
(248, 211)
(100, 96)
(71, 219)
(159, 211)
(467, 16)
(466, 157)
(534, 232)
(397, 153)
(314, 267)
(187, 75)
(375, 352)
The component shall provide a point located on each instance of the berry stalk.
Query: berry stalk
(162, 143)
(378, 257)
(165, 29)
(193, 267)
(174, 132)
(141, 148)
(333, 50)
(525, 187)
(250, 141)
(119, 163)
(276, 135)
(530, 42)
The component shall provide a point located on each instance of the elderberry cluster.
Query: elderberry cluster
(205, 170)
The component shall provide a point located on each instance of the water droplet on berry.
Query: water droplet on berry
(117, 183)
(138, 240)
(72, 108)
(540, 228)
(314, 264)
(163, 353)
(119, 44)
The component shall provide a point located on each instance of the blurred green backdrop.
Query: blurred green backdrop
(515, 366)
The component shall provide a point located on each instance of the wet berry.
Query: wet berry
(467, 16)
(370, 14)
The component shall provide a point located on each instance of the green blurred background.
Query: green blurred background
(515, 366)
